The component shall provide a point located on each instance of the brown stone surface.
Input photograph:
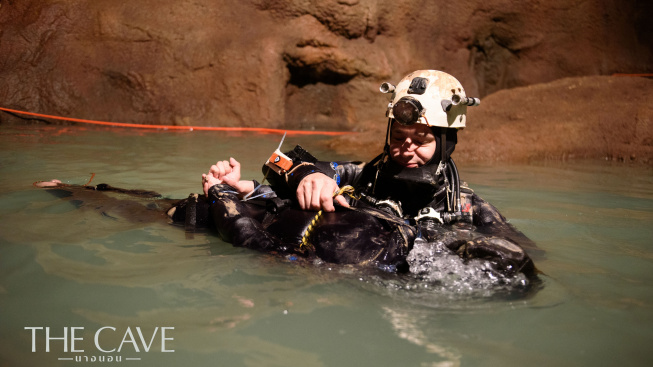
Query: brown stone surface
(599, 117)
(317, 64)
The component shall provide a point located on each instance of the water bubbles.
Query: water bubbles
(318, 262)
(433, 263)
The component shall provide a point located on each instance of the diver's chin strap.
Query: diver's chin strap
(443, 146)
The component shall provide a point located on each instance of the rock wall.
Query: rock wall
(591, 117)
(297, 64)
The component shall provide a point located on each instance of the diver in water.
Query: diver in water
(427, 109)
(412, 188)
(408, 198)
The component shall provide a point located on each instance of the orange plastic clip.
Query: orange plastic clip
(279, 162)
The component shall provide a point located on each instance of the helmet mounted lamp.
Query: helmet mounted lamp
(407, 111)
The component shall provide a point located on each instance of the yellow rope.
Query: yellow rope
(349, 190)
(308, 231)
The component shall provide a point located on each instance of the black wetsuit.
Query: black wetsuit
(370, 232)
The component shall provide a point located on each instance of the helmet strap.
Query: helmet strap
(443, 146)
(453, 190)
(386, 147)
(387, 136)
(384, 155)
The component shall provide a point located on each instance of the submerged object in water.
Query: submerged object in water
(360, 235)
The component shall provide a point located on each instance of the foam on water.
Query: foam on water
(434, 263)
(439, 278)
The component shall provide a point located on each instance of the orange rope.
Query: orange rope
(177, 127)
(90, 179)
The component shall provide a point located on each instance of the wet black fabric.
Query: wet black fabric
(363, 235)
(414, 188)
(451, 139)
(343, 237)
(366, 235)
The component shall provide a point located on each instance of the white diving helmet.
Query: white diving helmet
(429, 97)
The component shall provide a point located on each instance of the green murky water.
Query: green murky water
(68, 266)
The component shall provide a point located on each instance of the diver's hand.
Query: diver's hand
(209, 181)
(227, 172)
(315, 192)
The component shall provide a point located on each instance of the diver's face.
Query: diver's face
(411, 146)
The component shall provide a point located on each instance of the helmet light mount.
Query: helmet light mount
(387, 87)
(418, 85)
(458, 100)
(467, 101)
